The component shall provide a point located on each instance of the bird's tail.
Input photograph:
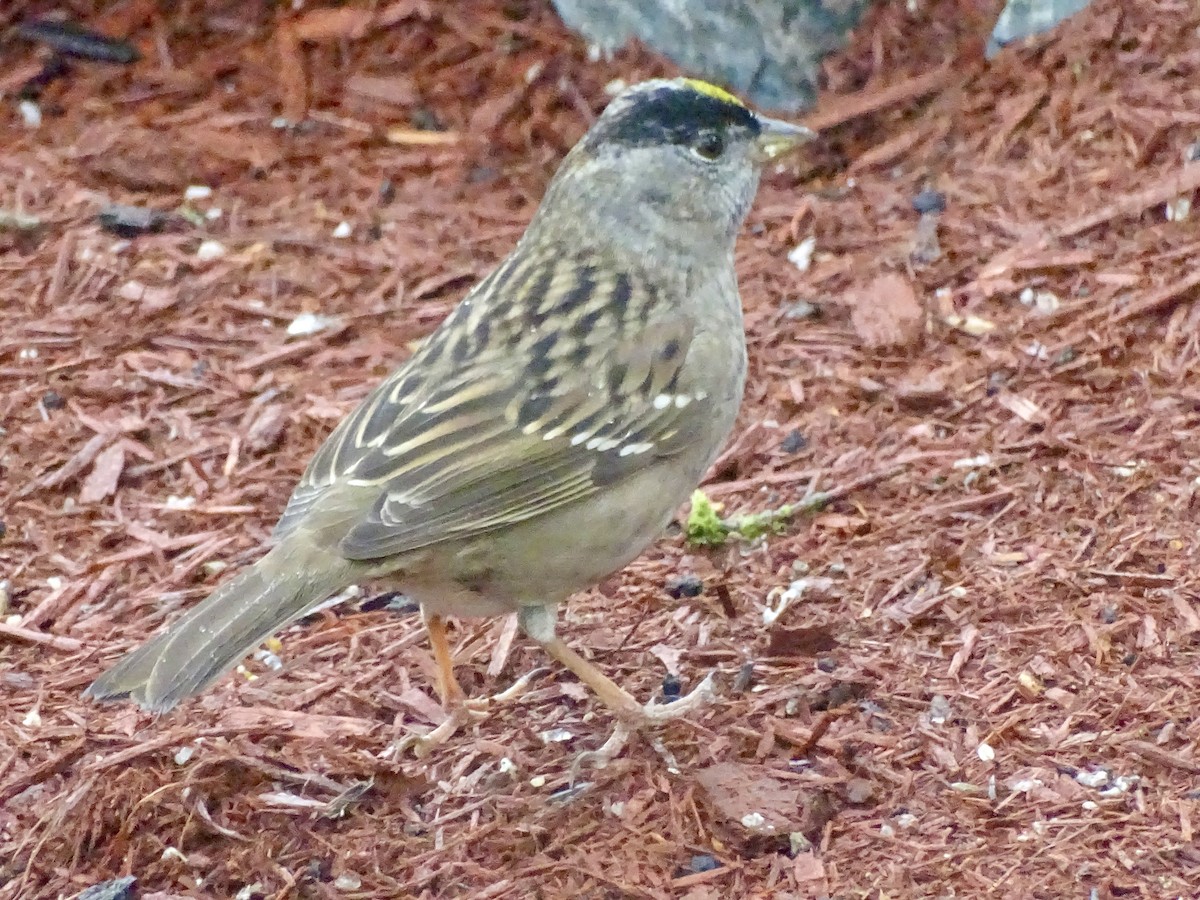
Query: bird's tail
(213, 636)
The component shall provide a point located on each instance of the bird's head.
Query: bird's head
(671, 160)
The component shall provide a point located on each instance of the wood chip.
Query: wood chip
(106, 473)
(887, 313)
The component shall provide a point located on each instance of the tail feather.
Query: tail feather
(210, 638)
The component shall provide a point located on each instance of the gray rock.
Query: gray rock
(1025, 18)
(767, 50)
(116, 889)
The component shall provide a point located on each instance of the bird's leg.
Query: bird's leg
(449, 692)
(448, 688)
(538, 623)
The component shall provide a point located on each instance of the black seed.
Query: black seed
(54, 68)
(672, 689)
(387, 191)
(671, 350)
(682, 586)
(826, 663)
(616, 376)
(929, 201)
(482, 175)
(53, 400)
(794, 442)
(702, 862)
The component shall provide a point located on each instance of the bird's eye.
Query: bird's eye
(709, 145)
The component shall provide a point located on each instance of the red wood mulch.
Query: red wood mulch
(988, 685)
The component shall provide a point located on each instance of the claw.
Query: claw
(639, 720)
(421, 745)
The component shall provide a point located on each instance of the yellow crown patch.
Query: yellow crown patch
(711, 90)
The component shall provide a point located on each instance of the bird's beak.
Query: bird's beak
(778, 137)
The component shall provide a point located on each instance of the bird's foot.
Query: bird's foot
(642, 720)
(421, 745)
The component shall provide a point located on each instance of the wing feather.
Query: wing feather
(491, 422)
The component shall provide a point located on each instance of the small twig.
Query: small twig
(846, 109)
(821, 499)
(704, 527)
(1158, 301)
(70, 645)
(1166, 188)
(1162, 756)
(15, 220)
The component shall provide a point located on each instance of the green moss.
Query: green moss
(706, 528)
(704, 525)
(771, 521)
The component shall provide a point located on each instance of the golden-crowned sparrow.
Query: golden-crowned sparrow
(545, 433)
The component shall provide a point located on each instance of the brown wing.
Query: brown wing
(495, 421)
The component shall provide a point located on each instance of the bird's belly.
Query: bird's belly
(545, 560)
(446, 597)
